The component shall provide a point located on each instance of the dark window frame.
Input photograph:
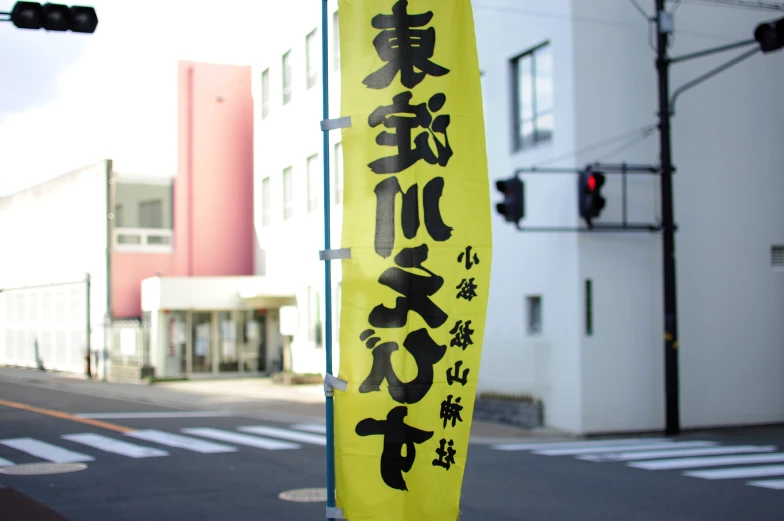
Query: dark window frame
(518, 143)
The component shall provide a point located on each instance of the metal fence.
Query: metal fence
(129, 343)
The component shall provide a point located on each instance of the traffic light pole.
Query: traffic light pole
(672, 401)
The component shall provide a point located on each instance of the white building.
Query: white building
(594, 73)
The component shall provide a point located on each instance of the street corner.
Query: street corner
(15, 506)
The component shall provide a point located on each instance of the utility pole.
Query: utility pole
(664, 27)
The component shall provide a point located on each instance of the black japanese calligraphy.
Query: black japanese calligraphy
(416, 290)
(450, 411)
(467, 289)
(450, 378)
(462, 332)
(398, 117)
(467, 254)
(404, 48)
(386, 192)
(426, 354)
(396, 435)
(446, 454)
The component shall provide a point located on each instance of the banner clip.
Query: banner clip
(342, 253)
(334, 124)
(335, 513)
(333, 382)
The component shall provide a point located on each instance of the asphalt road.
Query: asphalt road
(185, 483)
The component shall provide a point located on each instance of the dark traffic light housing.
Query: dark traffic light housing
(54, 17)
(770, 35)
(513, 205)
(589, 193)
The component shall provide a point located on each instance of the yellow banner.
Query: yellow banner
(416, 217)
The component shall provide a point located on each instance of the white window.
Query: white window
(314, 183)
(287, 77)
(265, 87)
(533, 100)
(288, 193)
(534, 305)
(338, 173)
(311, 58)
(266, 214)
(335, 42)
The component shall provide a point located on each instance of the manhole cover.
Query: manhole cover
(37, 469)
(304, 495)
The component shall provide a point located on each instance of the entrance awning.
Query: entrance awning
(267, 293)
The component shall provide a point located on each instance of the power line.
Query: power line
(641, 10)
(636, 133)
(639, 139)
(746, 4)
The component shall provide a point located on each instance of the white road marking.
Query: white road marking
(181, 442)
(6, 463)
(46, 451)
(775, 484)
(615, 448)
(575, 444)
(687, 463)
(122, 448)
(315, 439)
(712, 451)
(738, 472)
(241, 439)
(172, 414)
(308, 427)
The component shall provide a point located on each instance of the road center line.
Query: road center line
(66, 416)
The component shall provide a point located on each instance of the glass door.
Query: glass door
(254, 345)
(201, 346)
(228, 325)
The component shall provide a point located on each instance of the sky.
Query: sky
(68, 100)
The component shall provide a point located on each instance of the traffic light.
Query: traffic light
(770, 35)
(54, 17)
(513, 207)
(589, 191)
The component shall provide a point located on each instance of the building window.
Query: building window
(533, 97)
(335, 42)
(119, 216)
(314, 319)
(265, 92)
(311, 58)
(534, 312)
(151, 214)
(288, 193)
(287, 77)
(338, 173)
(266, 213)
(314, 184)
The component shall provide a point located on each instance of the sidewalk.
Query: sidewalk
(253, 397)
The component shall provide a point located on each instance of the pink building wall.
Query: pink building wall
(213, 188)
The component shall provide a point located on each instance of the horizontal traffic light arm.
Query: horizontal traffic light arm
(712, 50)
(604, 227)
(605, 168)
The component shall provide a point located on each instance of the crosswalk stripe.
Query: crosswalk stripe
(107, 444)
(615, 448)
(775, 484)
(575, 444)
(46, 451)
(241, 439)
(686, 463)
(181, 442)
(655, 454)
(738, 472)
(170, 414)
(275, 432)
(6, 463)
(308, 427)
